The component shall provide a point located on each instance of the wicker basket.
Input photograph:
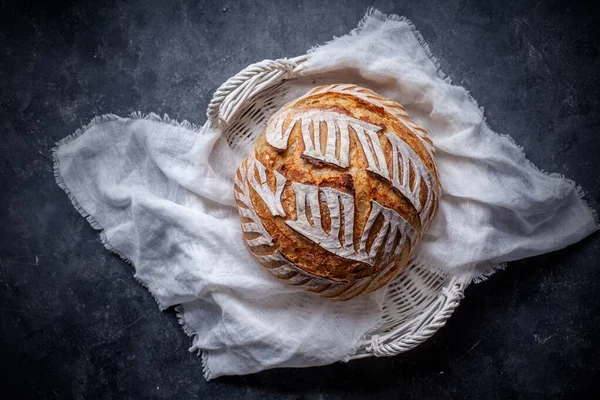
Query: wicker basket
(419, 301)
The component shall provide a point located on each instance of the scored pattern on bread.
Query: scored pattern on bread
(337, 148)
(335, 135)
(263, 248)
(404, 160)
(388, 105)
(271, 199)
(275, 134)
(337, 191)
(372, 149)
(251, 224)
(389, 239)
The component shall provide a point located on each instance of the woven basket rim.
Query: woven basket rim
(431, 295)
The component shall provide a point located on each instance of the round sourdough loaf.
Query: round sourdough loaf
(337, 191)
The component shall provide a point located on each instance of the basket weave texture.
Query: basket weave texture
(420, 300)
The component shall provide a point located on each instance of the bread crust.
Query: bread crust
(311, 163)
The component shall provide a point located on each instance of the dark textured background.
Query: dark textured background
(73, 321)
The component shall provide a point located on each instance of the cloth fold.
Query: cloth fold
(161, 191)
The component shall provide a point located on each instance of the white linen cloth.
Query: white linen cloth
(163, 198)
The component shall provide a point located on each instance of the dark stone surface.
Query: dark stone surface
(75, 324)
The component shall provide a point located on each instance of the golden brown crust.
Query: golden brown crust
(355, 180)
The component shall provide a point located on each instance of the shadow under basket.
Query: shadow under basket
(419, 301)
